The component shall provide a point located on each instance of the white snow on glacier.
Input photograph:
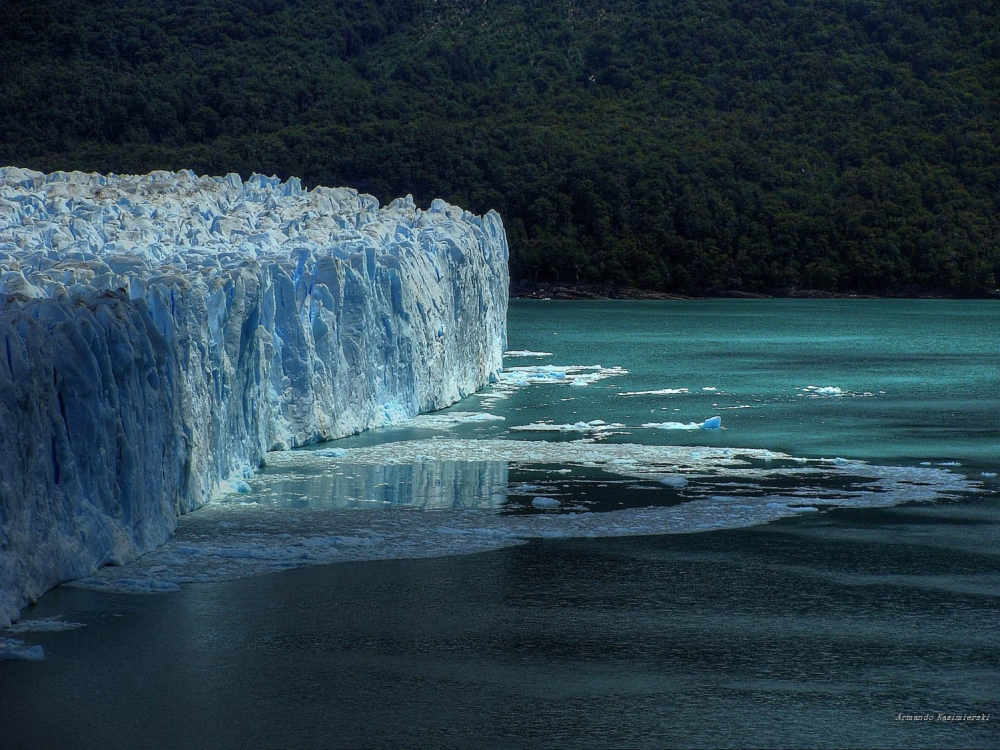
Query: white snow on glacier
(159, 333)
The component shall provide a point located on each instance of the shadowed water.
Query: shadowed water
(811, 632)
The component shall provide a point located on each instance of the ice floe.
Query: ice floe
(545, 503)
(712, 423)
(43, 625)
(12, 648)
(674, 480)
(832, 391)
(593, 426)
(577, 375)
(445, 420)
(660, 392)
(823, 390)
(723, 488)
(510, 379)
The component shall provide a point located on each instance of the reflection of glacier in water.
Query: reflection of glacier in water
(429, 498)
(422, 484)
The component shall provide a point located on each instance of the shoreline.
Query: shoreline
(599, 292)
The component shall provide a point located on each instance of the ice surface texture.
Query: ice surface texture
(159, 333)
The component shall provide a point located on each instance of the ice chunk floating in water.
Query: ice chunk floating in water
(712, 423)
(159, 333)
(545, 503)
(578, 375)
(44, 625)
(524, 353)
(445, 420)
(513, 378)
(593, 426)
(660, 392)
(12, 648)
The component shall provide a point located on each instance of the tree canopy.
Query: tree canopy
(679, 145)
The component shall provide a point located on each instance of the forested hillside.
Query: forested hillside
(680, 145)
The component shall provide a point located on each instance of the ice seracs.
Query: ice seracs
(159, 333)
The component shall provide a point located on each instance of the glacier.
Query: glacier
(160, 333)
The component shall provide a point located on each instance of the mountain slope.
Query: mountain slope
(690, 146)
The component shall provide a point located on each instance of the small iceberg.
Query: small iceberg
(11, 648)
(330, 452)
(545, 503)
(674, 480)
(712, 423)
(822, 390)
(43, 625)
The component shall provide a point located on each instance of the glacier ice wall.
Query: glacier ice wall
(160, 333)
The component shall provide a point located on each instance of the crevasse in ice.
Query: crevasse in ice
(159, 333)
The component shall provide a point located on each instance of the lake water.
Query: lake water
(822, 565)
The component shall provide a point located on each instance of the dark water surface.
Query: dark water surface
(814, 631)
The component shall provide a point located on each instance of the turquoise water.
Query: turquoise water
(919, 379)
(826, 561)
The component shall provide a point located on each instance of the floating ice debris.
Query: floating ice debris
(672, 425)
(330, 452)
(989, 475)
(838, 461)
(510, 379)
(730, 488)
(11, 648)
(524, 353)
(674, 481)
(558, 374)
(660, 392)
(543, 503)
(126, 585)
(710, 388)
(712, 423)
(43, 625)
(823, 390)
(523, 489)
(441, 421)
(596, 425)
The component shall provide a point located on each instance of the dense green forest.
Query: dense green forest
(681, 145)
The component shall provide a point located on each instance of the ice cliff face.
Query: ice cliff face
(159, 333)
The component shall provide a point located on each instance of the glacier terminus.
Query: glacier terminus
(160, 333)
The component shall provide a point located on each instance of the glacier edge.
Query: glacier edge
(159, 333)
